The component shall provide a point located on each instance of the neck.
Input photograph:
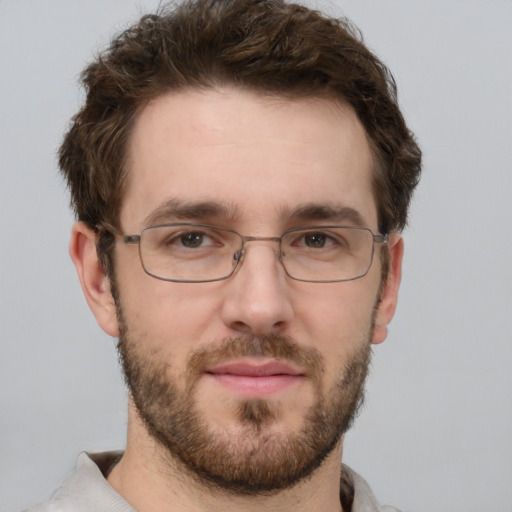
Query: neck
(149, 479)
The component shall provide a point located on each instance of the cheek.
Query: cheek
(337, 318)
(168, 318)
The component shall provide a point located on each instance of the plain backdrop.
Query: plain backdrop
(436, 430)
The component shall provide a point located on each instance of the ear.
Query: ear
(94, 281)
(389, 292)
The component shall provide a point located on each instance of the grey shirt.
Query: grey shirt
(87, 490)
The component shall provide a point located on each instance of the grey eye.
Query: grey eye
(315, 240)
(192, 239)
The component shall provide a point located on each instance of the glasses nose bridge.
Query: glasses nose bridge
(260, 239)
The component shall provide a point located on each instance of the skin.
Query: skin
(263, 157)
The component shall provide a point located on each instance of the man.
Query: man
(255, 153)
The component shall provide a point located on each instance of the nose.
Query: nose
(257, 297)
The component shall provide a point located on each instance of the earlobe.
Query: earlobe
(389, 292)
(94, 281)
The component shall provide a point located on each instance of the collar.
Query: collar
(86, 489)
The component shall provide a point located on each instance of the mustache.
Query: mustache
(276, 346)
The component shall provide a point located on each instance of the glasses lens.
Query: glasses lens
(188, 252)
(195, 252)
(327, 253)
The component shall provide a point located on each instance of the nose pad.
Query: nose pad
(237, 256)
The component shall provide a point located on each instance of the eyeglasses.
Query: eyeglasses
(198, 253)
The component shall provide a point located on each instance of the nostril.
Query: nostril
(241, 327)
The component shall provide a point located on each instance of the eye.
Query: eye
(193, 239)
(179, 239)
(185, 241)
(317, 240)
(332, 239)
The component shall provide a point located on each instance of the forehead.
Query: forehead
(257, 156)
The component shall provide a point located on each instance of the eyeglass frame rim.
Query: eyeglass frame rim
(379, 238)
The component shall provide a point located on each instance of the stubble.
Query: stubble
(255, 458)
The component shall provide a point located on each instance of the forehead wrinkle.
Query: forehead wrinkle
(325, 212)
(180, 209)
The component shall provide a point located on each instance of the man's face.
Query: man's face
(248, 381)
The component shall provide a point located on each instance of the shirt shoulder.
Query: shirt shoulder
(86, 488)
(43, 507)
(363, 498)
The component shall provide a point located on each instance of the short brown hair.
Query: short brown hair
(262, 45)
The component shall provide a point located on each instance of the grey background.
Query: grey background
(435, 432)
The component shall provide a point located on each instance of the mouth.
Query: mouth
(255, 377)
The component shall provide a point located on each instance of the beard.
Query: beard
(253, 458)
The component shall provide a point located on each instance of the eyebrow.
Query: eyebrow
(326, 212)
(178, 209)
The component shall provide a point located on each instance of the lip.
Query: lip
(255, 378)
